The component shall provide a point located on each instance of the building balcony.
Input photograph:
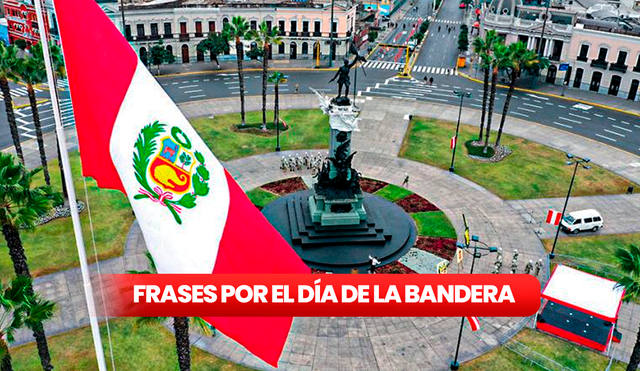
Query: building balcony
(199, 34)
(582, 58)
(317, 33)
(554, 58)
(618, 67)
(167, 36)
(305, 33)
(184, 37)
(599, 63)
(293, 33)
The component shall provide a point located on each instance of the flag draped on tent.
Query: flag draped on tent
(133, 138)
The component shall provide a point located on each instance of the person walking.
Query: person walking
(405, 182)
(373, 262)
(426, 80)
(297, 88)
(439, 28)
(430, 80)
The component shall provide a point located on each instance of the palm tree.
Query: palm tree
(484, 47)
(180, 325)
(20, 206)
(8, 60)
(276, 78)
(19, 307)
(498, 61)
(237, 29)
(518, 59)
(629, 263)
(265, 36)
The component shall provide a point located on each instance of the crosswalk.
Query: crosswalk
(418, 69)
(447, 21)
(24, 118)
(21, 90)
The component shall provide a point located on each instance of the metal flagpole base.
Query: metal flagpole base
(455, 365)
(552, 255)
(452, 170)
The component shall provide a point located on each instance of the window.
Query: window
(317, 30)
(127, 31)
(588, 220)
(183, 27)
(305, 28)
(281, 26)
(597, 219)
(198, 28)
(584, 52)
(224, 21)
(167, 29)
(212, 26)
(334, 27)
(578, 221)
(622, 58)
(294, 28)
(154, 29)
(602, 54)
(254, 25)
(268, 24)
(281, 48)
(140, 30)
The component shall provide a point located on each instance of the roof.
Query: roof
(568, 286)
(583, 213)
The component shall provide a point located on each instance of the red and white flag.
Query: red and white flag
(132, 137)
(474, 323)
(553, 217)
(452, 142)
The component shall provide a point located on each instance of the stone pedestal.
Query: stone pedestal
(339, 211)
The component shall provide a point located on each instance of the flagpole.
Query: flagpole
(73, 206)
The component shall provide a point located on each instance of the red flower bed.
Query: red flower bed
(443, 247)
(285, 186)
(317, 271)
(416, 204)
(395, 268)
(371, 185)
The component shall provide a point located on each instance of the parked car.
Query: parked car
(583, 220)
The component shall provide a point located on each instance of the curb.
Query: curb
(556, 96)
(29, 104)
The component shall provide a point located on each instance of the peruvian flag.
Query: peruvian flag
(553, 217)
(474, 323)
(452, 142)
(133, 138)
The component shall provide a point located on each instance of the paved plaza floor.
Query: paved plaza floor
(386, 343)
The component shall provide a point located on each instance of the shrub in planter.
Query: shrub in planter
(443, 247)
(285, 186)
(416, 204)
(372, 185)
(474, 149)
(395, 268)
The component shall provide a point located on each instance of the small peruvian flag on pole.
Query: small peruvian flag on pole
(452, 142)
(553, 217)
(474, 323)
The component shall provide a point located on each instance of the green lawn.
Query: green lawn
(561, 351)
(51, 247)
(393, 193)
(434, 224)
(307, 129)
(531, 171)
(594, 252)
(134, 348)
(260, 197)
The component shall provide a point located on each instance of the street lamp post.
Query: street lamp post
(454, 364)
(331, 46)
(577, 161)
(461, 95)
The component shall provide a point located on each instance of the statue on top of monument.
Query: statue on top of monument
(343, 77)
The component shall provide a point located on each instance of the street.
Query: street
(437, 59)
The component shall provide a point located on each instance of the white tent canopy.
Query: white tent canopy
(595, 295)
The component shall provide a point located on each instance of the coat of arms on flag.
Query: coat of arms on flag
(171, 169)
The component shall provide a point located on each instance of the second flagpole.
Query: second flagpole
(73, 205)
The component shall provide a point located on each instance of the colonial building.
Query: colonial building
(181, 24)
(22, 22)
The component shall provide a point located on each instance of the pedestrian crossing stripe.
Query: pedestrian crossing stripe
(381, 65)
(447, 21)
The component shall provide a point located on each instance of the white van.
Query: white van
(583, 220)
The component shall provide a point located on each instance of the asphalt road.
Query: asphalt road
(437, 59)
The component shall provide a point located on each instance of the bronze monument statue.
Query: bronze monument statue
(343, 77)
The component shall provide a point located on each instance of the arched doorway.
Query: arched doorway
(595, 81)
(170, 49)
(281, 48)
(293, 51)
(143, 55)
(199, 55)
(633, 90)
(305, 49)
(551, 74)
(567, 76)
(185, 53)
(614, 87)
(577, 82)
(316, 48)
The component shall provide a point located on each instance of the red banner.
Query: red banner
(335, 295)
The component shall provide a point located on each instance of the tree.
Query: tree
(158, 55)
(463, 39)
(8, 61)
(629, 263)
(180, 325)
(372, 36)
(484, 48)
(20, 206)
(19, 307)
(215, 44)
(498, 61)
(236, 30)
(276, 78)
(519, 59)
(31, 70)
(265, 37)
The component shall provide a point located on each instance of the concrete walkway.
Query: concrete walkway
(375, 343)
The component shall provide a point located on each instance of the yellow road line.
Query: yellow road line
(557, 96)
(245, 70)
(29, 104)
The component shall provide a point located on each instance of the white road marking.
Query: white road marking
(614, 133)
(531, 105)
(602, 136)
(598, 115)
(570, 120)
(193, 91)
(623, 129)
(526, 109)
(537, 97)
(566, 126)
(188, 86)
(624, 122)
(612, 119)
(519, 114)
(578, 116)
(561, 106)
